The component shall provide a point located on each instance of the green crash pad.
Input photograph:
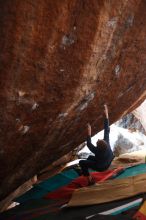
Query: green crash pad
(34, 193)
(48, 185)
(133, 171)
(58, 180)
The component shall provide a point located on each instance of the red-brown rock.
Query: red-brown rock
(60, 61)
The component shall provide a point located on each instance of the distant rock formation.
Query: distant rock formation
(140, 114)
(125, 145)
(60, 62)
(130, 122)
(135, 121)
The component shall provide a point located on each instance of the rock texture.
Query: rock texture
(60, 62)
(132, 123)
(135, 120)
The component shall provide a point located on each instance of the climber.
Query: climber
(103, 153)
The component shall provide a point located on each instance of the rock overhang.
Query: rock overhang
(60, 62)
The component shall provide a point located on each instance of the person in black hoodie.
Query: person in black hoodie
(103, 154)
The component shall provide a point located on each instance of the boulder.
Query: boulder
(60, 62)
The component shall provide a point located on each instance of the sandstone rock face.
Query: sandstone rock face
(60, 62)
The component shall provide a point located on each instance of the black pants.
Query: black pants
(89, 163)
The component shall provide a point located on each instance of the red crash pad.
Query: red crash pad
(82, 181)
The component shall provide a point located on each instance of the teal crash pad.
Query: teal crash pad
(58, 180)
(49, 185)
(133, 171)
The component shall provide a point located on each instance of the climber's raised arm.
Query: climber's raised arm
(106, 111)
(89, 129)
(91, 147)
(106, 124)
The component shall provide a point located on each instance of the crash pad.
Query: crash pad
(33, 209)
(141, 213)
(133, 171)
(119, 209)
(59, 180)
(110, 217)
(42, 209)
(82, 181)
(35, 193)
(51, 184)
(110, 190)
